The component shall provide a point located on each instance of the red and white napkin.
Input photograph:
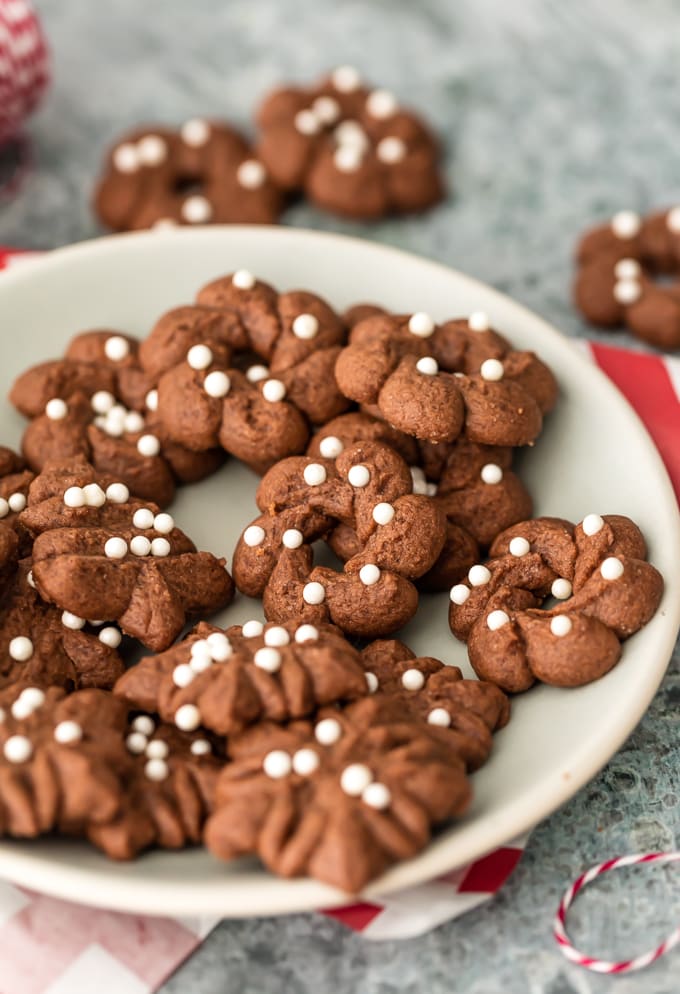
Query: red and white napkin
(49, 946)
(24, 65)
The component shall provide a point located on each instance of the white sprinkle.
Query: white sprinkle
(478, 321)
(276, 636)
(673, 220)
(326, 109)
(306, 122)
(187, 717)
(359, 476)
(252, 629)
(217, 384)
(156, 769)
(611, 568)
(28, 701)
(496, 620)
(428, 366)
(561, 589)
(115, 548)
(377, 795)
(68, 731)
(479, 575)
(163, 523)
(305, 326)
(56, 409)
(199, 356)
(94, 495)
(117, 493)
(491, 474)
(330, 447)
(371, 682)
(592, 524)
(256, 373)
(314, 474)
(347, 158)
(195, 132)
(254, 535)
(626, 224)
(369, 574)
(110, 636)
(133, 422)
(391, 150)
(412, 679)
(355, 779)
(152, 150)
(627, 269)
(305, 762)
(243, 279)
(143, 518)
(292, 538)
(220, 646)
(160, 547)
(560, 625)
(459, 594)
(144, 724)
(200, 747)
(157, 749)
(136, 742)
(102, 401)
(351, 134)
(439, 716)
(251, 174)
(346, 79)
(21, 648)
(277, 764)
(492, 369)
(116, 348)
(125, 158)
(383, 513)
(140, 545)
(29, 579)
(421, 324)
(273, 391)
(17, 749)
(306, 633)
(313, 593)
(16, 502)
(148, 445)
(72, 621)
(268, 659)
(627, 292)
(74, 497)
(328, 731)
(151, 400)
(381, 104)
(4, 508)
(196, 209)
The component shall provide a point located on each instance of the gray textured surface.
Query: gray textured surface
(554, 113)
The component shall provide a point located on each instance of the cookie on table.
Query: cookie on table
(202, 173)
(620, 274)
(351, 149)
(604, 587)
(227, 681)
(15, 480)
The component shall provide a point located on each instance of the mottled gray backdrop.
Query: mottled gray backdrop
(554, 114)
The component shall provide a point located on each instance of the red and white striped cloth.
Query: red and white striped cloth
(24, 65)
(52, 947)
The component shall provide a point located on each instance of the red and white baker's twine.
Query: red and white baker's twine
(24, 72)
(606, 966)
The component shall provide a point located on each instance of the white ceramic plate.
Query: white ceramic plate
(594, 455)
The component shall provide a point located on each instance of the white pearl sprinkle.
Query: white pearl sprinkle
(160, 547)
(16, 502)
(156, 769)
(355, 779)
(28, 701)
(459, 594)
(561, 589)
(117, 493)
(428, 366)
(268, 659)
(74, 497)
(391, 150)
(421, 324)
(243, 279)
(133, 422)
(611, 568)
(116, 348)
(306, 633)
(560, 625)
(369, 574)
(102, 401)
(292, 538)
(56, 409)
(115, 548)
(359, 476)
(200, 649)
(383, 513)
(346, 79)
(627, 269)
(220, 646)
(21, 648)
(152, 150)
(277, 764)
(313, 593)
(125, 158)
(151, 400)
(377, 795)
(199, 356)
(350, 134)
(478, 321)
(195, 132)
(199, 664)
(306, 122)
(256, 373)
(314, 474)
(492, 369)
(305, 762)
(17, 749)
(496, 620)
(200, 747)
(328, 731)
(273, 391)
(253, 536)
(110, 636)
(627, 292)
(163, 523)
(412, 679)
(196, 209)
(305, 327)
(144, 724)
(440, 717)
(252, 629)
(519, 546)
(371, 682)
(148, 445)
(673, 220)
(4, 508)
(330, 447)
(381, 104)
(347, 158)
(68, 731)
(157, 749)
(251, 174)
(592, 524)
(136, 742)
(187, 717)
(94, 495)
(326, 109)
(478, 575)
(140, 545)
(143, 518)
(276, 636)
(72, 621)
(217, 384)
(491, 474)
(626, 224)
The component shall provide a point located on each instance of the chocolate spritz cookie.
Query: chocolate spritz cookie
(351, 149)
(605, 592)
(205, 172)
(622, 275)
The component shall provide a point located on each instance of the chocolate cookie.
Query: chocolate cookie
(205, 172)
(351, 149)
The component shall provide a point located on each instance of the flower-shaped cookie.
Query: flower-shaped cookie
(351, 149)
(605, 589)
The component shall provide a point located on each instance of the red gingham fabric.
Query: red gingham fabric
(24, 65)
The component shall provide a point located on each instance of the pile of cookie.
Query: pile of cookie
(314, 740)
(348, 147)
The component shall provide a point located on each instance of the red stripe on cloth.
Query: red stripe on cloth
(644, 381)
(490, 873)
(355, 916)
